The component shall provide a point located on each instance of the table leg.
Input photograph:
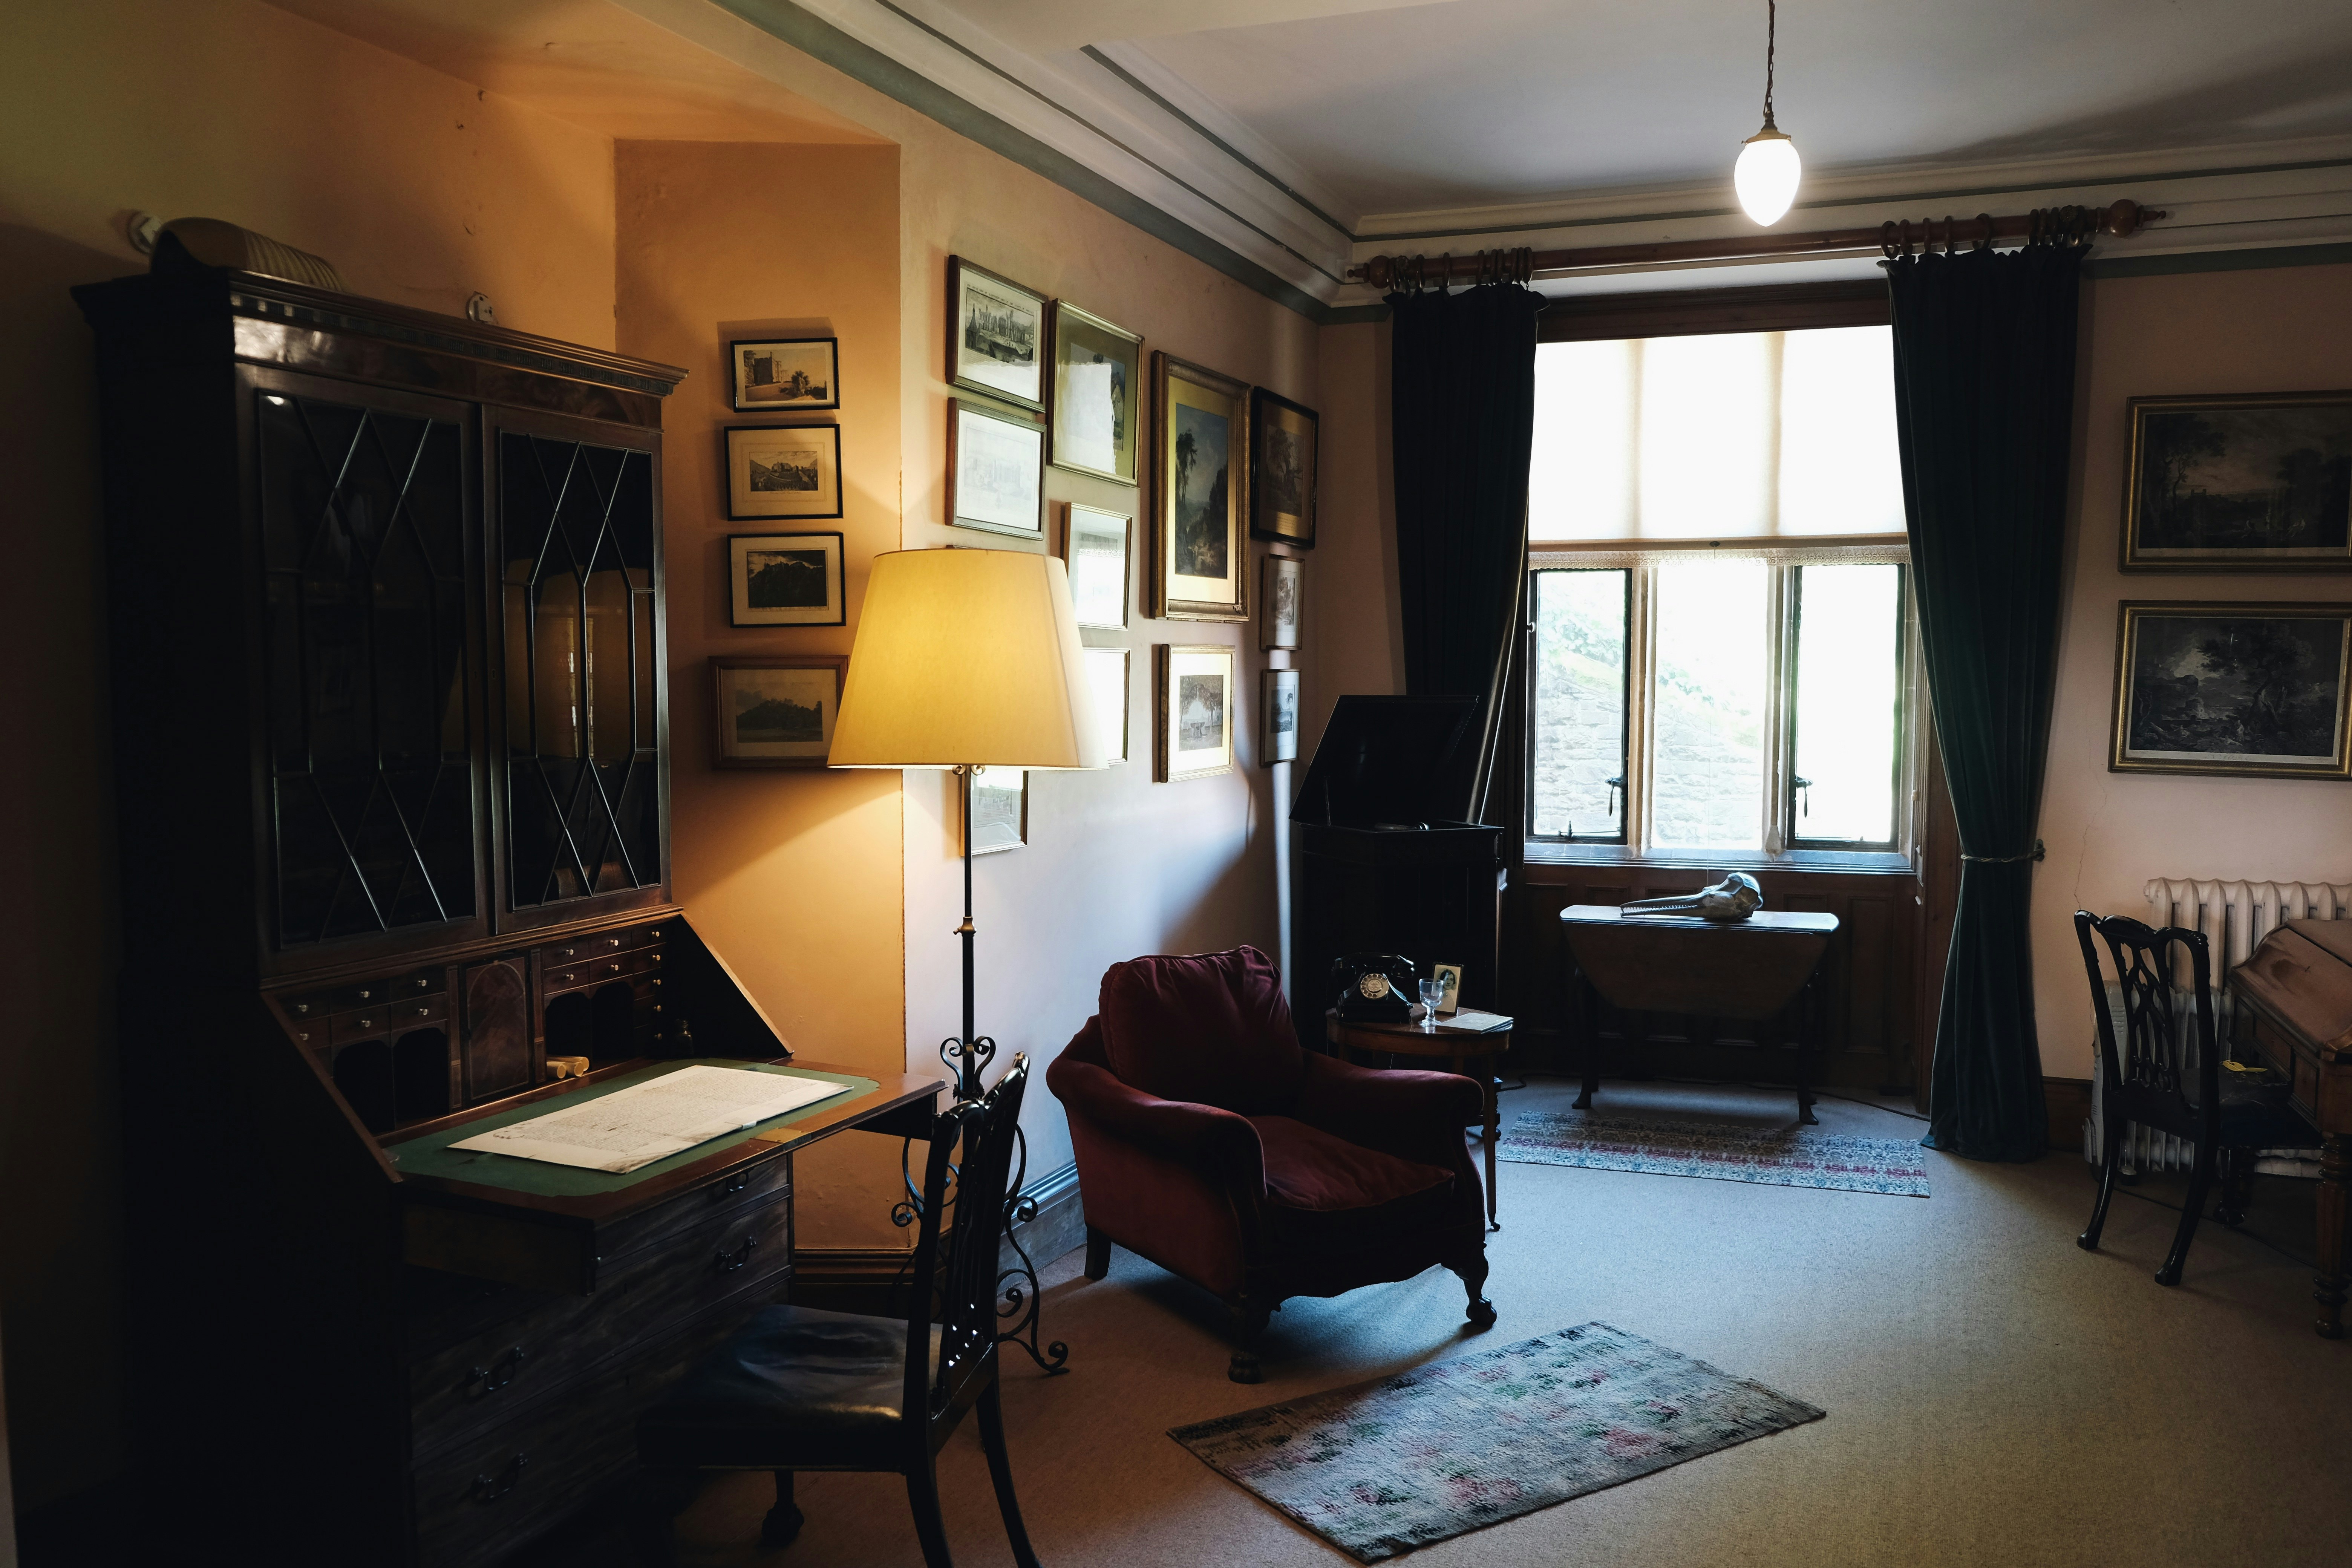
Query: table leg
(1588, 1014)
(1494, 1135)
(2334, 1214)
(1808, 1024)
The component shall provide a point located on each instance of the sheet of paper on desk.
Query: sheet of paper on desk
(647, 1121)
(1470, 1021)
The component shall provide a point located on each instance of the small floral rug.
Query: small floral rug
(1778, 1156)
(1385, 1466)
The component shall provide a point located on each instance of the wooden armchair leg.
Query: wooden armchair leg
(782, 1525)
(1249, 1322)
(1098, 1254)
(1472, 1274)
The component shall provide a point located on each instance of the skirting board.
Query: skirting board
(1060, 1226)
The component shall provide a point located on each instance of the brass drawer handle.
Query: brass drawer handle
(496, 1375)
(727, 1262)
(489, 1489)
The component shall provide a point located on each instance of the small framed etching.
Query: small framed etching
(782, 470)
(1107, 678)
(1200, 464)
(785, 580)
(1097, 372)
(776, 712)
(1278, 741)
(2257, 482)
(1282, 470)
(780, 375)
(996, 470)
(2254, 690)
(1000, 809)
(1192, 711)
(1282, 587)
(1094, 547)
(995, 330)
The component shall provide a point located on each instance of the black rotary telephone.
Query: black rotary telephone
(1374, 987)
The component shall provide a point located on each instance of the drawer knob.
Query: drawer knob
(612, 942)
(614, 967)
(367, 1022)
(496, 1375)
(727, 1260)
(489, 1489)
(563, 953)
(423, 984)
(302, 1009)
(365, 995)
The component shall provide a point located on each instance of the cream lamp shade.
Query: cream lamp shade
(966, 658)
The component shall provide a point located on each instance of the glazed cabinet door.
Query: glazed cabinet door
(582, 773)
(370, 675)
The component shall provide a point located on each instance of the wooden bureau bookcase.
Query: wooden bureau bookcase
(392, 738)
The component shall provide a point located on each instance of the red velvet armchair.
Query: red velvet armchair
(1208, 1141)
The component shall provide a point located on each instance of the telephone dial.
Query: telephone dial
(1374, 987)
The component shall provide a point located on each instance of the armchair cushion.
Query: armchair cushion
(1306, 1168)
(1211, 1029)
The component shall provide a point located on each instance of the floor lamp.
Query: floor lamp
(966, 659)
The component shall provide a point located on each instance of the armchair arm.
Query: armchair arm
(1413, 1115)
(1220, 1145)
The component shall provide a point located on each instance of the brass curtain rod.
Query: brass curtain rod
(2073, 225)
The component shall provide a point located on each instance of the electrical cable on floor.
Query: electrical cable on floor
(2296, 1258)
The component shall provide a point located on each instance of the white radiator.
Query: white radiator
(2233, 917)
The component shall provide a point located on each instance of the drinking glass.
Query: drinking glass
(1433, 991)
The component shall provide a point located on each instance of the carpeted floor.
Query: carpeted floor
(1998, 1396)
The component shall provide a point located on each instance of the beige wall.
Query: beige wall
(2270, 330)
(1358, 646)
(420, 189)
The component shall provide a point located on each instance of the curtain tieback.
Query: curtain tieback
(2033, 853)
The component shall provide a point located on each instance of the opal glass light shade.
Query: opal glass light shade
(1766, 174)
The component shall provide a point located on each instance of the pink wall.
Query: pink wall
(2281, 329)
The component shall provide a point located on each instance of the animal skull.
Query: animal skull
(1734, 898)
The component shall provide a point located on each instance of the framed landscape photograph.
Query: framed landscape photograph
(996, 335)
(1277, 738)
(1106, 682)
(1283, 457)
(1192, 711)
(775, 375)
(2250, 483)
(2255, 691)
(996, 470)
(776, 712)
(1000, 809)
(1200, 463)
(1094, 547)
(782, 470)
(1281, 589)
(1097, 372)
(785, 580)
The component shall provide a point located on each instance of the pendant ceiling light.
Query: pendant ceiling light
(1766, 175)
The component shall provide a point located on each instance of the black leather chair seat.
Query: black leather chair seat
(796, 1388)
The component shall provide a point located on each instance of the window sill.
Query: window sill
(1543, 852)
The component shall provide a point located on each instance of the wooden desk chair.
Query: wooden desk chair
(798, 1389)
(2146, 1077)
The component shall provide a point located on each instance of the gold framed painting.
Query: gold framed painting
(1283, 469)
(1200, 474)
(1098, 373)
(1094, 547)
(2253, 482)
(1192, 711)
(2253, 691)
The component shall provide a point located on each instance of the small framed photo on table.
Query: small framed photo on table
(1192, 711)
(1278, 739)
(776, 712)
(996, 335)
(1094, 547)
(780, 375)
(2254, 691)
(782, 470)
(996, 470)
(1450, 976)
(785, 580)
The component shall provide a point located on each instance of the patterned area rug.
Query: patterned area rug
(1385, 1466)
(1781, 1156)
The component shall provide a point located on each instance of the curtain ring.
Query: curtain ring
(1886, 244)
(1986, 242)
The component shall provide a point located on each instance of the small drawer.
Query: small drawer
(390, 1016)
(301, 1010)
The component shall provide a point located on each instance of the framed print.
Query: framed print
(996, 329)
(1282, 470)
(1450, 976)
(996, 470)
(1281, 587)
(2255, 691)
(1277, 740)
(778, 376)
(1199, 566)
(782, 470)
(2259, 483)
(776, 712)
(1107, 678)
(1097, 372)
(1094, 547)
(1000, 809)
(785, 580)
(1192, 711)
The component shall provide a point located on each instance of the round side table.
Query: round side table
(1457, 1048)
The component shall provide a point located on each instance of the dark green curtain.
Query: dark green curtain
(1463, 396)
(1984, 401)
